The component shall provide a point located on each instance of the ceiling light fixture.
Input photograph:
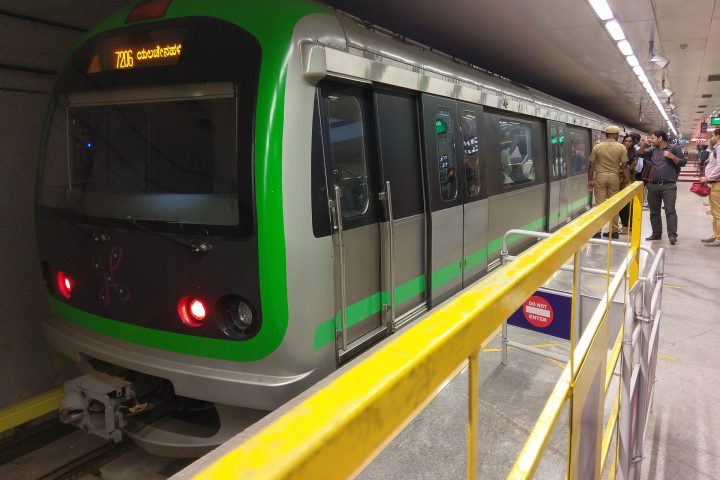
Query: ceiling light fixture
(602, 9)
(625, 47)
(615, 30)
(613, 27)
(660, 60)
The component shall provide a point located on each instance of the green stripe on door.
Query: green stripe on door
(325, 332)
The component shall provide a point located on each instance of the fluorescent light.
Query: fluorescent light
(602, 9)
(638, 71)
(632, 61)
(625, 47)
(615, 30)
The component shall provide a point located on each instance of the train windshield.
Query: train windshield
(156, 153)
(155, 124)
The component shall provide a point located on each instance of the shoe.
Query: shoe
(614, 235)
(708, 240)
(654, 237)
(716, 243)
(673, 239)
(597, 235)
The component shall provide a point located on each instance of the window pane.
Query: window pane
(471, 151)
(578, 150)
(516, 150)
(557, 152)
(347, 145)
(445, 132)
(172, 161)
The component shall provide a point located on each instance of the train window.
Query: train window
(445, 132)
(347, 147)
(171, 161)
(471, 151)
(558, 167)
(516, 152)
(579, 147)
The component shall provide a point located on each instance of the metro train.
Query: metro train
(234, 198)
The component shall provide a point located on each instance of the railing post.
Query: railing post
(635, 226)
(473, 400)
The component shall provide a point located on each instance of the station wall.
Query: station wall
(34, 37)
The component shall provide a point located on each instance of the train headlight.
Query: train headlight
(65, 284)
(236, 317)
(191, 311)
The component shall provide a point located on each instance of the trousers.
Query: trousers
(657, 196)
(715, 208)
(605, 186)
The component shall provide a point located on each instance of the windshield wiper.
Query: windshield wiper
(96, 236)
(193, 245)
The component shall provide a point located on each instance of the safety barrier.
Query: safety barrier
(339, 429)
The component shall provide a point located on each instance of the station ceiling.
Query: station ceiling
(556, 46)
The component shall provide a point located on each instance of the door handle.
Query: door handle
(391, 256)
(338, 226)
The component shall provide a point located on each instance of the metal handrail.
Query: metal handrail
(338, 430)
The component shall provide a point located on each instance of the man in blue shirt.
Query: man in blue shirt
(664, 165)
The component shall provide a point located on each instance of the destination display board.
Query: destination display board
(153, 48)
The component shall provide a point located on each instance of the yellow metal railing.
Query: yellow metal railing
(337, 431)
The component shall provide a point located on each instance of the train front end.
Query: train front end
(159, 219)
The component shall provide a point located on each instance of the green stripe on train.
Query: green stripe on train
(325, 332)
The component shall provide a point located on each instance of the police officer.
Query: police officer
(606, 160)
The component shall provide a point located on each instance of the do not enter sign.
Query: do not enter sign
(545, 312)
(538, 311)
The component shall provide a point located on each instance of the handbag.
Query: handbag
(701, 189)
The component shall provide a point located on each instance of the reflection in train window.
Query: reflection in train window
(347, 144)
(445, 140)
(516, 151)
(471, 153)
(558, 167)
(579, 148)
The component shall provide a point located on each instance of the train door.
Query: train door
(443, 161)
(351, 167)
(404, 225)
(475, 206)
(558, 204)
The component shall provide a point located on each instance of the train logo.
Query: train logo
(109, 282)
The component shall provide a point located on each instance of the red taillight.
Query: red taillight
(147, 10)
(192, 311)
(65, 284)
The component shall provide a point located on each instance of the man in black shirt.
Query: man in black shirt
(661, 187)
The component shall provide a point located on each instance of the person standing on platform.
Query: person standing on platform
(712, 176)
(661, 186)
(629, 144)
(606, 160)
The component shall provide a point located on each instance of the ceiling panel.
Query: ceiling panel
(673, 9)
(80, 14)
(557, 46)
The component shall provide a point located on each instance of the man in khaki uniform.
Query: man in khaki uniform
(606, 160)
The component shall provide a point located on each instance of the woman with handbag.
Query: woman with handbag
(712, 177)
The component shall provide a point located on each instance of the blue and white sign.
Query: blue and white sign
(545, 312)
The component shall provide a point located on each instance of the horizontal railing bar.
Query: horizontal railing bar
(538, 351)
(338, 430)
(527, 461)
